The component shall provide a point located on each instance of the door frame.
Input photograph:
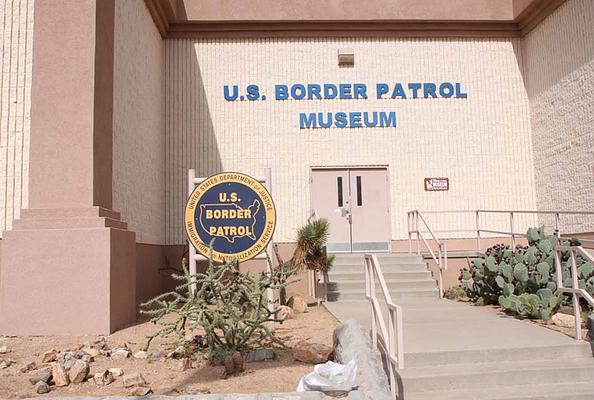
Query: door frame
(349, 167)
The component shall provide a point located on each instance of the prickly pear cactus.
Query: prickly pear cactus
(522, 280)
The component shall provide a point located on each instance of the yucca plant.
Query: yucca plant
(311, 247)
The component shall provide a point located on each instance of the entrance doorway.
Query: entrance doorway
(355, 202)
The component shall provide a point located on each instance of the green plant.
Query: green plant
(454, 293)
(231, 308)
(523, 281)
(310, 252)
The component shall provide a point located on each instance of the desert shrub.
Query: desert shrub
(522, 281)
(231, 307)
(454, 293)
(310, 252)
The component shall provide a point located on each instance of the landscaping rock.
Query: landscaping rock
(50, 356)
(87, 358)
(284, 313)
(42, 387)
(260, 355)
(6, 363)
(352, 342)
(141, 354)
(91, 351)
(139, 391)
(563, 320)
(297, 304)
(116, 371)
(120, 354)
(590, 326)
(66, 359)
(135, 379)
(44, 375)
(179, 352)
(59, 375)
(313, 353)
(237, 361)
(103, 378)
(3, 349)
(79, 371)
(28, 367)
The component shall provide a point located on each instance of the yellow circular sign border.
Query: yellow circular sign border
(229, 177)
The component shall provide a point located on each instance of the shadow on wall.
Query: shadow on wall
(190, 143)
(190, 137)
(559, 46)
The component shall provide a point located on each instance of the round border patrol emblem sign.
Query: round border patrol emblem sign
(233, 209)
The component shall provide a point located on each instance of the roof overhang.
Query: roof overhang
(340, 18)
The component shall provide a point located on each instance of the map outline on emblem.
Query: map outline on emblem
(235, 211)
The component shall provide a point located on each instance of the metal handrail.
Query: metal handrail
(574, 251)
(386, 336)
(415, 216)
(441, 259)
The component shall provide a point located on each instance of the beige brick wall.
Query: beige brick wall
(139, 135)
(16, 30)
(481, 143)
(559, 73)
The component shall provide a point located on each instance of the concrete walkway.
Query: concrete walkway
(457, 351)
(434, 325)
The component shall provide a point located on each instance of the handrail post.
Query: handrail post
(511, 229)
(418, 232)
(440, 266)
(409, 232)
(478, 233)
(577, 311)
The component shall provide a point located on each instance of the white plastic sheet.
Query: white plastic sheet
(329, 377)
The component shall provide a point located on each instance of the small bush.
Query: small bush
(454, 293)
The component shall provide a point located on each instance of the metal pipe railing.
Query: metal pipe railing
(440, 259)
(575, 290)
(386, 336)
(415, 216)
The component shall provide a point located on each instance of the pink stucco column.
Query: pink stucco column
(68, 265)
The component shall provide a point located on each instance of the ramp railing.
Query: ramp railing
(415, 222)
(574, 252)
(386, 335)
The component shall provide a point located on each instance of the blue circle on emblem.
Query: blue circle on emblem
(232, 214)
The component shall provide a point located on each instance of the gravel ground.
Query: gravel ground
(280, 375)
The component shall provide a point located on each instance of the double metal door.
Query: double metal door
(355, 202)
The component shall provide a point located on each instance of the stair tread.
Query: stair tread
(480, 368)
(389, 280)
(403, 290)
(552, 391)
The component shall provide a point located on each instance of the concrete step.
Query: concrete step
(385, 268)
(495, 375)
(559, 391)
(340, 276)
(558, 353)
(354, 294)
(341, 259)
(336, 285)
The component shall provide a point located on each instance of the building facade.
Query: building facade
(107, 104)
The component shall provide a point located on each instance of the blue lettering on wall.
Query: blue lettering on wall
(347, 91)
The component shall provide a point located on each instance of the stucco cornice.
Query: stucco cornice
(171, 19)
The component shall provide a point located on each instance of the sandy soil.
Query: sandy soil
(280, 375)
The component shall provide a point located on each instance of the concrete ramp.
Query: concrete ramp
(460, 351)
